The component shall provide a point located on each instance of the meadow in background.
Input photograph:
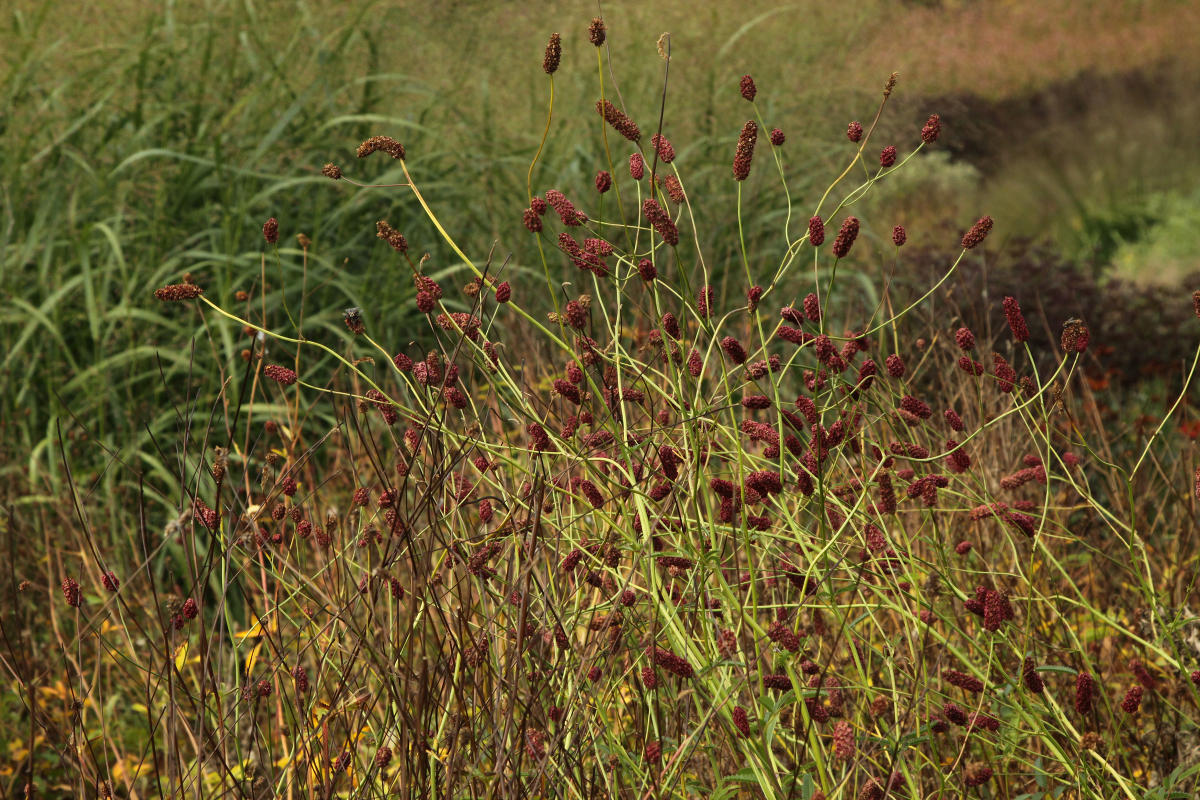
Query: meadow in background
(336, 570)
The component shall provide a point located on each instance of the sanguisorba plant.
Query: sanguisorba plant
(662, 543)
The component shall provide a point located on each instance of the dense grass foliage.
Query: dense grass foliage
(484, 462)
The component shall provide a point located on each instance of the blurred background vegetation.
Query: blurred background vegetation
(141, 141)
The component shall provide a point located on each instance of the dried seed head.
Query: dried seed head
(384, 144)
(553, 54)
(503, 292)
(392, 236)
(178, 292)
(777, 137)
(887, 157)
(596, 31)
(271, 231)
(603, 181)
(332, 171)
(854, 131)
(899, 236)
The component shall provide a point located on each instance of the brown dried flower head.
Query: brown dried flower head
(385, 144)
(553, 54)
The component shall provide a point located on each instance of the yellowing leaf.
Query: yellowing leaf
(252, 659)
(181, 654)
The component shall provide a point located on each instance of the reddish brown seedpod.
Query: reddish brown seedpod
(977, 774)
(816, 231)
(603, 181)
(744, 153)
(280, 374)
(845, 237)
(671, 662)
(661, 221)
(661, 145)
(899, 236)
(1085, 692)
(894, 365)
(538, 438)
(931, 129)
(70, 589)
(1133, 700)
(1016, 320)
(741, 721)
(962, 680)
(695, 365)
(653, 752)
(978, 232)
(621, 123)
(753, 295)
(381, 144)
(647, 270)
(887, 157)
(597, 31)
(777, 137)
(332, 171)
(637, 166)
(748, 89)
(670, 325)
(553, 54)
(566, 209)
(780, 682)
(178, 292)
(704, 301)
(673, 189)
(271, 231)
(733, 348)
(854, 131)
(843, 740)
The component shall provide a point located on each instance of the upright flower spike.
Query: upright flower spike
(816, 231)
(597, 32)
(1016, 320)
(748, 89)
(745, 150)
(553, 54)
